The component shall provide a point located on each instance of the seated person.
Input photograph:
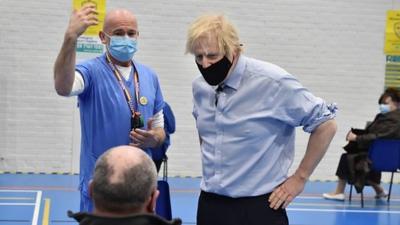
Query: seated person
(386, 125)
(123, 189)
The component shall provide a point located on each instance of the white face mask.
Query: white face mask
(384, 108)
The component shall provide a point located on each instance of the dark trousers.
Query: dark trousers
(216, 209)
(344, 171)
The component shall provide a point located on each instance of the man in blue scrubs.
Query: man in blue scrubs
(246, 113)
(120, 100)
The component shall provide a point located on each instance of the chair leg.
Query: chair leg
(390, 187)
(351, 190)
(362, 199)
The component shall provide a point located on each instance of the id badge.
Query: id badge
(137, 121)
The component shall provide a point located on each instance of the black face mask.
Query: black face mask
(217, 72)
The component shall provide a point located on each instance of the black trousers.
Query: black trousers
(216, 209)
(344, 172)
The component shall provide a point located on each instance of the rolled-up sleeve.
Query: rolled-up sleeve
(299, 107)
(323, 113)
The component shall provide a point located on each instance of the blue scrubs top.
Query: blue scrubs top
(104, 112)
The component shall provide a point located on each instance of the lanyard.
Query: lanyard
(124, 88)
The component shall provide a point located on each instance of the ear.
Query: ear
(233, 57)
(151, 205)
(102, 37)
(90, 189)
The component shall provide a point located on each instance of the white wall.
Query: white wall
(335, 48)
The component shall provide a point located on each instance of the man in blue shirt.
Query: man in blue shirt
(120, 100)
(246, 113)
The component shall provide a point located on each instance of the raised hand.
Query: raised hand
(81, 19)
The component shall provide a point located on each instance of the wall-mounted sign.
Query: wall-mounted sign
(392, 33)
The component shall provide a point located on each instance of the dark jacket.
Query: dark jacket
(137, 219)
(384, 126)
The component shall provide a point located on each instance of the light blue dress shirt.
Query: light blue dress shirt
(247, 139)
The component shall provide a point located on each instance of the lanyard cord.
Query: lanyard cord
(124, 88)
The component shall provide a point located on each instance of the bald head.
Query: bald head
(119, 19)
(124, 180)
(121, 159)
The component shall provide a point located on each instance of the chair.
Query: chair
(385, 157)
(163, 206)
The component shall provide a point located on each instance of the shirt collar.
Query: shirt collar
(235, 77)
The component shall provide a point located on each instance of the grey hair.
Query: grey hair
(130, 194)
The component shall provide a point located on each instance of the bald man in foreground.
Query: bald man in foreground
(120, 100)
(123, 189)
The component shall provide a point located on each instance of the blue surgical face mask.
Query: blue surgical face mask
(384, 108)
(122, 48)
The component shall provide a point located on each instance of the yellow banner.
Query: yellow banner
(101, 10)
(392, 33)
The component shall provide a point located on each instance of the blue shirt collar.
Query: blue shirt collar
(235, 77)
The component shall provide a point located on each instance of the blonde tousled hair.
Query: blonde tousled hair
(213, 26)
